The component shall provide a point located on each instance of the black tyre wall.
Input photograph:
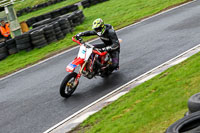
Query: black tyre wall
(23, 42)
(3, 51)
(50, 34)
(38, 39)
(194, 103)
(190, 123)
(11, 46)
(52, 14)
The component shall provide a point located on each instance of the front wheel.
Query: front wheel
(68, 85)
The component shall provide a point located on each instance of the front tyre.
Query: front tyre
(68, 85)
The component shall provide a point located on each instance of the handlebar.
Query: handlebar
(94, 51)
(77, 41)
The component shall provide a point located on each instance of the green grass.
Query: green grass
(115, 12)
(27, 3)
(47, 9)
(152, 106)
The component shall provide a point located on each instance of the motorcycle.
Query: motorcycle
(92, 61)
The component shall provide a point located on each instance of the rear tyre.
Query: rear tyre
(67, 87)
(106, 74)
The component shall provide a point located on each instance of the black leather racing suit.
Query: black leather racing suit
(109, 39)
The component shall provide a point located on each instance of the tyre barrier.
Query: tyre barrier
(189, 124)
(47, 15)
(64, 26)
(31, 21)
(43, 33)
(50, 34)
(88, 3)
(37, 7)
(55, 13)
(43, 22)
(23, 42)
(76, 18)
(58, 32)
(38, 39)
(3, 51)
(11, 46)
(52, 14)
(194, 103)
(187, 113)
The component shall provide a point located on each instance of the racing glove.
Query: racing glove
(78, 36)
(108, 48)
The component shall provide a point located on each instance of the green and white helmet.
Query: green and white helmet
(98, 26)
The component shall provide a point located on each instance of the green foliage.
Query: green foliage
(43, 10)
(27, 3)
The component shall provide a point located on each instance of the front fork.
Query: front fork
(79, 74)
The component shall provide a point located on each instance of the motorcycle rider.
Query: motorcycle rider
(110, 40)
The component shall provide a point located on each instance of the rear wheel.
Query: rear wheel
(106, 74)
(68, 85)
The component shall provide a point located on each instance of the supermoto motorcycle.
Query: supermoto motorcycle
(92, 61)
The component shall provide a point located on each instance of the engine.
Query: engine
(94, 67)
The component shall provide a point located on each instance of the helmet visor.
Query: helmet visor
(99, 29)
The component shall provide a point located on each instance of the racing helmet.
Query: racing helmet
(98, 26)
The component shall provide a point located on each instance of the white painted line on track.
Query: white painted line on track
(93, 41)
(178, 61)
(84, 117)
(128, 83)
(117, 96)
(147, 78)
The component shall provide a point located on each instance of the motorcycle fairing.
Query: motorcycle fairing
(71, 67)
(84, 53)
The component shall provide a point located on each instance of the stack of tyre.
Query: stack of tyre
(191, 122)
(23, 42)
(58, 32)
(76, 18)
(8, 48)
(37, 7)
(11, 46)
(38, 39)
(88, 3)
(42, 35)
(67, 22)
(49, 34)
(65, 26)
(3, 51)
(52, 15)
(43, 22)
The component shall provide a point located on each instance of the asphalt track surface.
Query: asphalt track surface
(30, 100)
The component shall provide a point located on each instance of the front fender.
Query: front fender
(72, 66)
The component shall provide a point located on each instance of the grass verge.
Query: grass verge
(47, 9)
(152, 106)
(28, 3)
(115, 12)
